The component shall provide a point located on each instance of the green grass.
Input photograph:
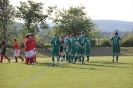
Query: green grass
(100, 72)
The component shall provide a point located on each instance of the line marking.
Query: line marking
(32, 78)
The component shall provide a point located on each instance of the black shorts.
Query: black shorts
(3, 52)
(61, 48)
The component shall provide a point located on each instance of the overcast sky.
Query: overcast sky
(96, 9)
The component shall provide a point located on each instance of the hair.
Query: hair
(116, 33)
(31, 34)
(61, 36)
(15, 39)
(27, 36)
(55, 35)
(72, 35)
(82, 33)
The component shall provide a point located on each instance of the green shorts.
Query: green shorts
(87, 51)
(73, 50)
(55, 52)
(80, 51)
(116, 49)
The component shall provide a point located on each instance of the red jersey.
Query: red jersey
(26, 45)
(31, 44)
(16, 46)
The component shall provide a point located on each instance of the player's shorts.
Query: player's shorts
(3, 52)
(28, 54)
(73, 50)
(17, 53)
(32, 52)
(61, 48)
(55, 52)
(87, 50)
(116, 49)
(80, 51)
(34, 49)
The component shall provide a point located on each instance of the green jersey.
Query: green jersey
(67, 42)
(88, 43)
(74, 42)
(115, 40)
(55, 42)
(82, 40)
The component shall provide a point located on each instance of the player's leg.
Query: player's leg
(57, 56)
(53, 53)
(4, 55)
(88, 54)
(113, 54)
(82, 55)
(117, 54)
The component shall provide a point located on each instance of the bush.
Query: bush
(128, 41)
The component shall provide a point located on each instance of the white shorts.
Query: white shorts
(17, 53)
(32, 52)
(28, 54)
(34, 49)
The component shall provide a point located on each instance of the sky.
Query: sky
(96, 9)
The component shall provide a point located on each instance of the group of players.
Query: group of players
(69, 48)
(29, 49)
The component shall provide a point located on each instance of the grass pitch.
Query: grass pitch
(100, 72)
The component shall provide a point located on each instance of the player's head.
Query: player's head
(82, 33)
(32, 35)
(15, 40)
(0, 38)
(72, 35)
(55, 35)
(116, 33)
(76, 36)
(27, 36)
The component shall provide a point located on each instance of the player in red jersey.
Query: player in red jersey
(27, 48)
(34, 47)
(33, 51)
(17, 51)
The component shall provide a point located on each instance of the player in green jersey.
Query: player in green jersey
(82, 42)
(67, 48)
(115, 42)
(73, 48)
(88, 48)
(55, 42)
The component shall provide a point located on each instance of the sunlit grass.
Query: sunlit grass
(100, 72)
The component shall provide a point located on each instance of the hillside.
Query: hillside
(104, 25)
(111, 25)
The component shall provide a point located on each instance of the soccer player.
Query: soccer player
(82, 42)
(3, 50)
(27, 49)
(115, 42)
(61, 48)
(17, 51)
(67, 42)
(73, 48)
(88, 48)
(55, 42)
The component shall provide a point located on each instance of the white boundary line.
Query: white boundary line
(32, 78)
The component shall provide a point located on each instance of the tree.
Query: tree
(7, 14)
(73, 20)
(32, 14)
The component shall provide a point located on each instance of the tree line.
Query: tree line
(67, 21)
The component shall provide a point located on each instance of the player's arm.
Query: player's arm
(3, 45)
(84, 45)
(120, 42)
(110, 41)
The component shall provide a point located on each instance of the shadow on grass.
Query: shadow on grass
(65, 65)
(106, 64)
